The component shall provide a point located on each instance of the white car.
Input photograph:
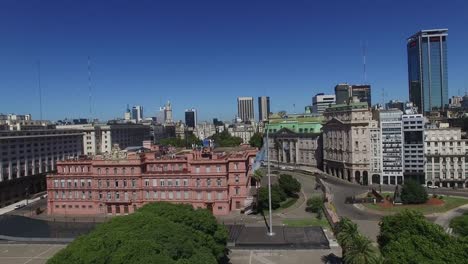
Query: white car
(433, 187)
(19, 206)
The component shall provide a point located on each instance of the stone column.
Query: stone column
(26, 166)
(284, 152)
(1, 171)
(10, 170)
(291, 150)
(297, 149)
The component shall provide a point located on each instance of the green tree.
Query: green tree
(314, 204)
(181, 143)
(156, 233)
(413, 193)
(290, 185)
(224, 139)
(258, 175)
(361, 251)
(407, 237)
(277, 196)
(347, 231)
(256, 140)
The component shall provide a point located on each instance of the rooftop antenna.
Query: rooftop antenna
(364, 53)
(383, 98)
(39, 87)
(89, 90)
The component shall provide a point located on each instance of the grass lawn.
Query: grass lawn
(311, 221)
(449, 203)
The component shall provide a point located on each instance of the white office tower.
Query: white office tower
(245, 108)
(321, 101)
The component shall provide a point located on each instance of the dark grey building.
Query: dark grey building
(345, 91)
(191, 118)
(427, 69)
(342, 92)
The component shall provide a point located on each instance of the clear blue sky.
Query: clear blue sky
(204, 54)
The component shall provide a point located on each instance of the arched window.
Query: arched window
(99, 171)
(107, 171)
(123, 171)
(115, 171)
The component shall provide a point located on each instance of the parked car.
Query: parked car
(19, 206)
(433, 187)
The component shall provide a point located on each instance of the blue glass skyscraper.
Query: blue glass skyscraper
(427, 69)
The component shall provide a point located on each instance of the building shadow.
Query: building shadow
(331, 259)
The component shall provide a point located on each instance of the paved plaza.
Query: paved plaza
(27, 253)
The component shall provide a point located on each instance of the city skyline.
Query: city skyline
(205, 65)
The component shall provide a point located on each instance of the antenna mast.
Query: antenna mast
(89, 90)
(364, 53)
(39, 86)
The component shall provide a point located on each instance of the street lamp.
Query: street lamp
(270, 233)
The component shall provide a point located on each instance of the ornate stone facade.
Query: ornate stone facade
(295, 149)
(346, 142)
(119, 182)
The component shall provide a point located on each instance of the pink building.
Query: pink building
(122, 181)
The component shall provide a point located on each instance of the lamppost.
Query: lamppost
(270, 233)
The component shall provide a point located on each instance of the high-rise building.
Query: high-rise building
(344, 92)
(263, 108)
(191, 118)
(137, 113)
(245, 108)
(413, 147)
(392, 162)
(363, 93)
(321, 101)
(128, 114)
(168, 112)
(427, 69)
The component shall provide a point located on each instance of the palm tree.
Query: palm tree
(258, 175)
(347, 231)
(361, 251)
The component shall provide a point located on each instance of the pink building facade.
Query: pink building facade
(121, 182)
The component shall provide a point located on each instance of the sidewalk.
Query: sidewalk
(444, 219)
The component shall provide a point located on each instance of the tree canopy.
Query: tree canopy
(256, 140)
(277, 196)
(178, 142)
(357, 249)
(224, 139)
(290, 185)
(407, 237)
(413, 193)
(156, 233)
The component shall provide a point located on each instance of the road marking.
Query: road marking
(263, 259)
(38, 256)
